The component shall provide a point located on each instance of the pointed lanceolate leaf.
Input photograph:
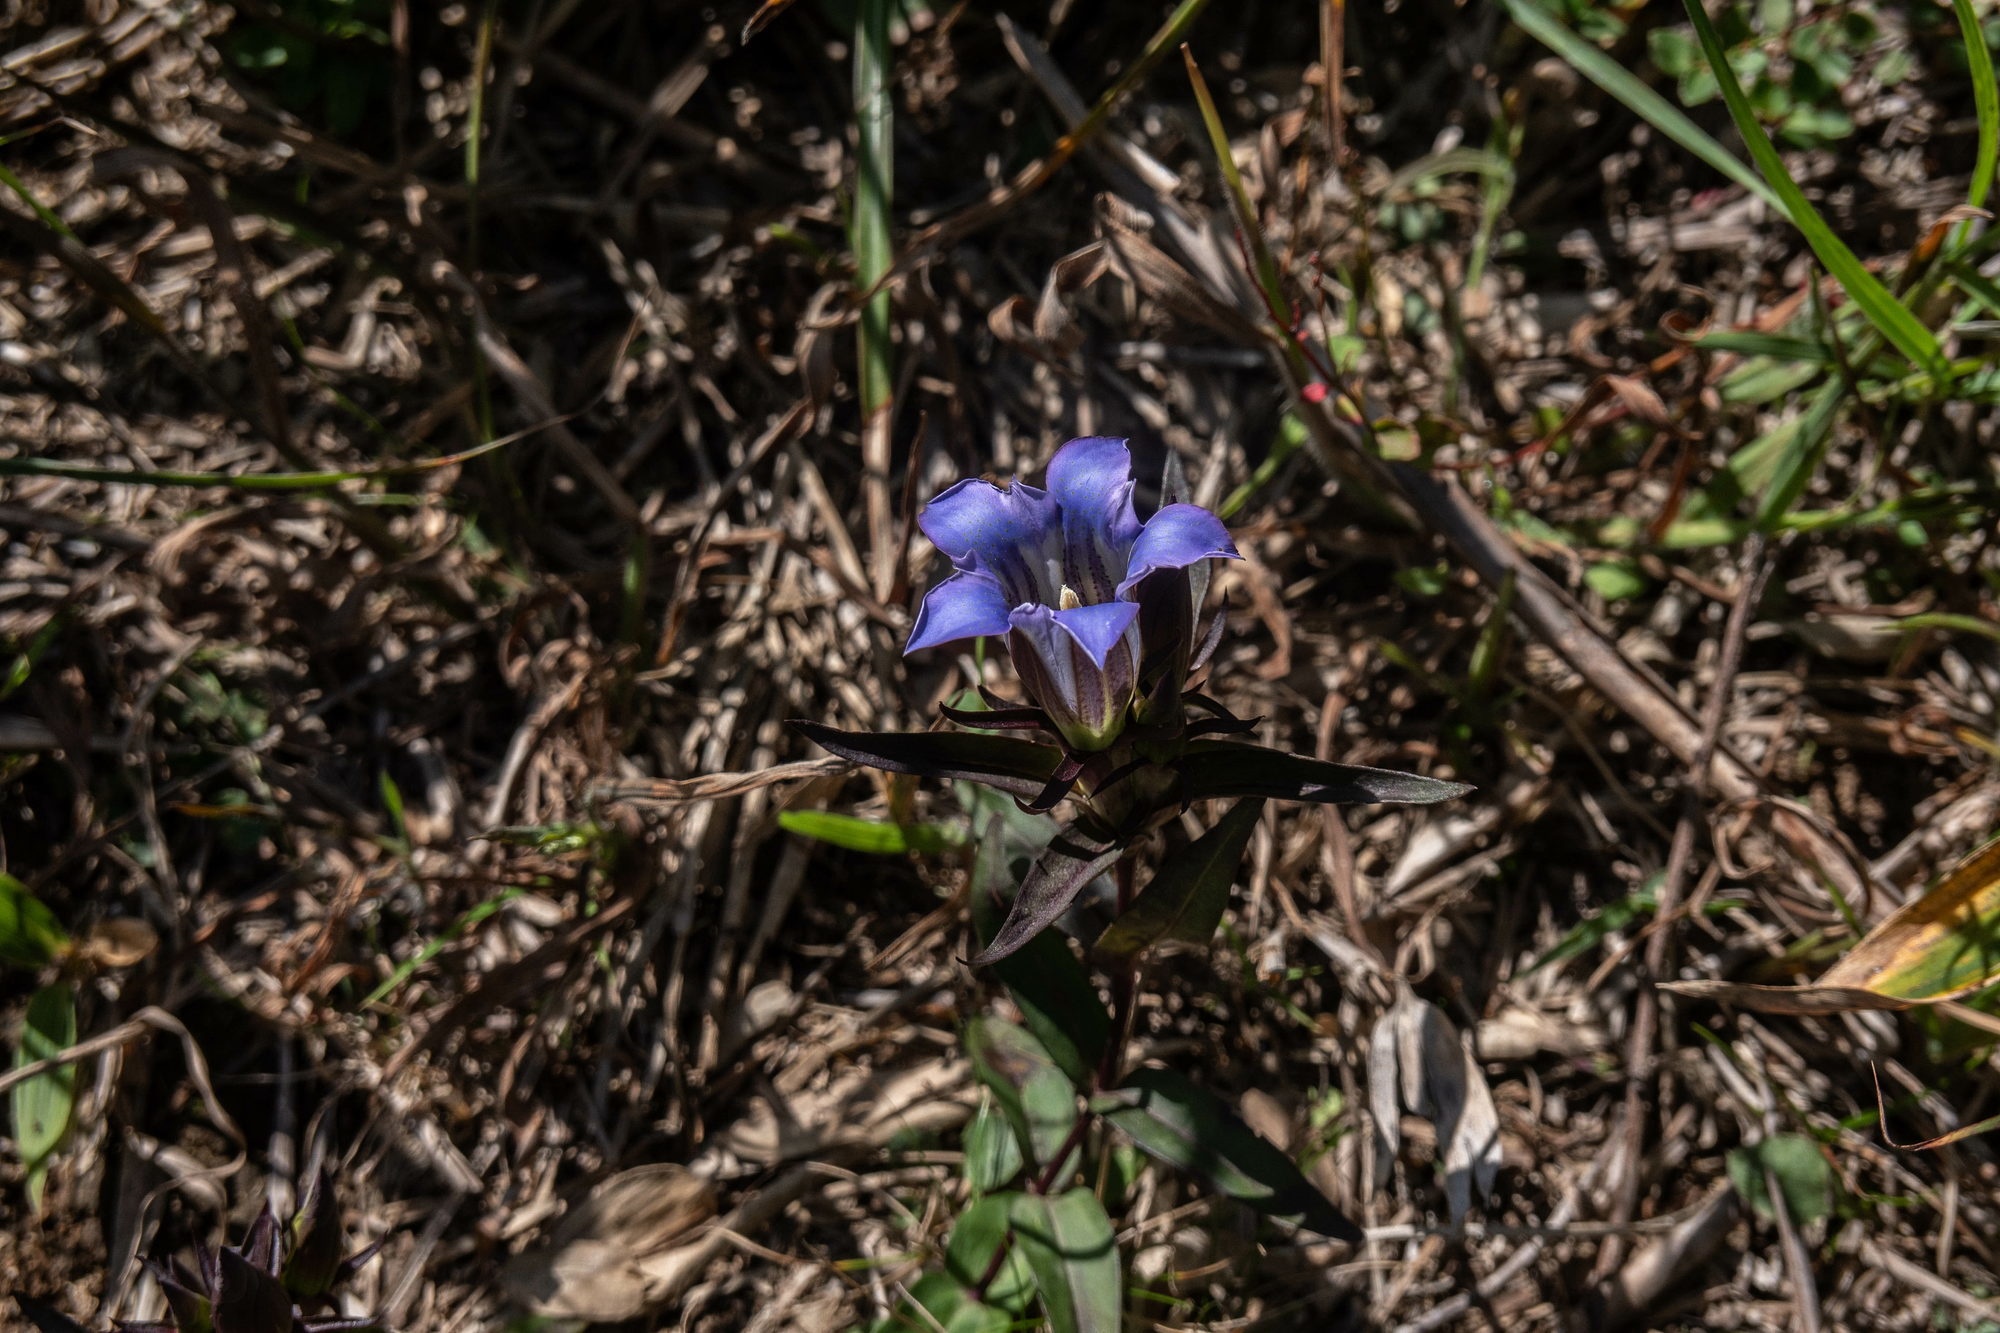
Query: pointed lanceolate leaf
(188, 1306)
(260, 1247)
(1189, 1127)
(1017, 767)
(249, 1300)
(1070, 1246)
(1033, 1092)
(1185, 900)
(317, 1242)
(1057, 999)
(1222, 768)
(998, 719)
(47, 1319)
(1073, 858)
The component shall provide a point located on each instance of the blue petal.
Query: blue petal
(1174, 538)
(964, 606)
(977, 518)
(1095, 629)
(1091, 479)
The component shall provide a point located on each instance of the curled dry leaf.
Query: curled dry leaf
(1416, 1053)
(119, 941)
(598, 1263)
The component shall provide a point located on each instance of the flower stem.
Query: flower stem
(1124, 997)
(1124, 988)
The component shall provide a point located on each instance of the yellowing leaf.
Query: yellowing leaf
(1940, 945)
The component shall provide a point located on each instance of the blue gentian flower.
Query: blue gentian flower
(1062, 573)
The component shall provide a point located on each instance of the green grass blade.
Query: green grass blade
(1903, 329)
(1805, 445)
(1628, 88)
(1268, 276)
(245, 481)
(874, 184)
(1985, 99)
(472, 917)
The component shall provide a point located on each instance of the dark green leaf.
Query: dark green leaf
(1186, 898)
(1070, 1246)
(1018, 767)
(976, 1237)
(29, 935)
(1222, 768)
(317, 1242)
(1032, 1090)
(46, 1319)
(1189, 1127)
(1057, 999)
(249, 1300)
(1073, 858)
(870, 835)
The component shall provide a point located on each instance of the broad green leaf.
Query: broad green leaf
(1058, 1001)
(938, 1301)
(1074, 857)
(1615, 580)
(980, 1233)
(43, 1104)
(1673, 51)
(1189, 1127)
(29, 935)
(1805, 1180)
(1032, 1090)
(1069, 1244)
(992, 1153)
(1227, 768)
(1186, 898)
(1889, 315)
(870, 835)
